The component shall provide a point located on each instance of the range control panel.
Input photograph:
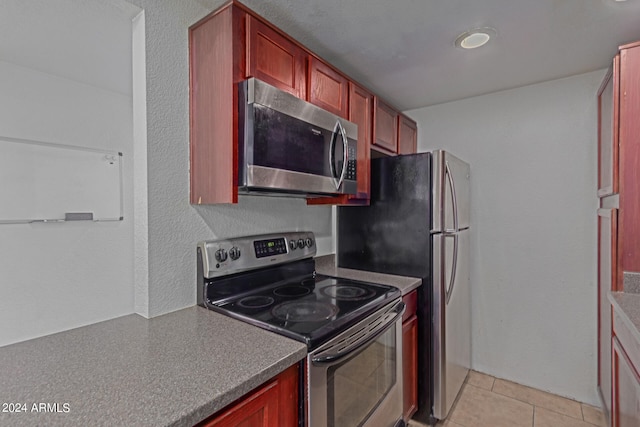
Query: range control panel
(229, 256)
(270, 247)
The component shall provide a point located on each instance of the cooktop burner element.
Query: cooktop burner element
(305, 311)
(280, 291)
(292, 291)
(347, 292)
(256, 302)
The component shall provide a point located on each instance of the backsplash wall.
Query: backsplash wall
(533, 161)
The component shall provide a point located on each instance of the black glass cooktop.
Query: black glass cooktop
(300, 306)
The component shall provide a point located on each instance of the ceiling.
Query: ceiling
(85, 41)
(404, 50)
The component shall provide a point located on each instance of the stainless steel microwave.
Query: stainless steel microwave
(288, 146)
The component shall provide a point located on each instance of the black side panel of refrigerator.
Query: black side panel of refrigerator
(392, 234)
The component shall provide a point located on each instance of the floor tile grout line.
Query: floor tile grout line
(544, 407)
(533, 419)
(582, 412)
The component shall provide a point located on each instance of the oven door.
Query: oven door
(355, 380)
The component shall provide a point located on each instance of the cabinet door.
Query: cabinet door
(327, 88)
(275, 404)
(608, 132)
(626, 389)
(629, 158)
(607, 267)
(410, 366)
(361, 113)
(275, 59)
(216, 61)
(407, 135)
(385, 130)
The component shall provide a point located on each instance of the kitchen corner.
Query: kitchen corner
(326, 265)
(171, 370)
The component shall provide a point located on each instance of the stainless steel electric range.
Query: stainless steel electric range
(353, 329)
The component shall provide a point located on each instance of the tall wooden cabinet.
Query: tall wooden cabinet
(407, 135)
(619, 193)
(607, 253)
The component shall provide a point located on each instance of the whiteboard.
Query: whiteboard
(42, 182)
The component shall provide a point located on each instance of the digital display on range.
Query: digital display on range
(270, 247)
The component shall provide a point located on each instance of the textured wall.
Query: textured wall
(532, 152)
(174, 226)
(145, 264)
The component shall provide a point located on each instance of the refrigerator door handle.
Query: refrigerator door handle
(454, 267)
(454, 198)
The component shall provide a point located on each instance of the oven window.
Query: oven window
(357, 386)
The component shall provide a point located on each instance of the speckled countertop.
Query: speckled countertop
(172, 370)
(326, 265)
(628, 306)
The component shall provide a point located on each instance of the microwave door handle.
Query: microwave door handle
(338, 130)
(345, 153)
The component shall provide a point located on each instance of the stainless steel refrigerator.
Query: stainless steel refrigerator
(417, 224)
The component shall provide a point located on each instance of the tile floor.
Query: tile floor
(486, 401)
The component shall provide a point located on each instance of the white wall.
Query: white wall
(66, 76)
(59, 276)
(174, 226)
(532, 152)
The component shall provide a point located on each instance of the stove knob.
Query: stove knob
(300, 243)
(292, 245)
(308, 242)
(234, 253)
(221, 255)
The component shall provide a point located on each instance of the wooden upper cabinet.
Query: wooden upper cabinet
(608, 103)
(607, 271)
(327, 88)
(626, 389)
(275, 59)
(361, 113)
(385, 129)
(407, 135)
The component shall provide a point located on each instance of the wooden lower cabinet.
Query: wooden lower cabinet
(410, 356)
(626, 389)
(607, 273)
(274, 404)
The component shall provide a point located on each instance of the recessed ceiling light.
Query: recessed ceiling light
(475, 38)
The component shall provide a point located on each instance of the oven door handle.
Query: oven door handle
(360, 344)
